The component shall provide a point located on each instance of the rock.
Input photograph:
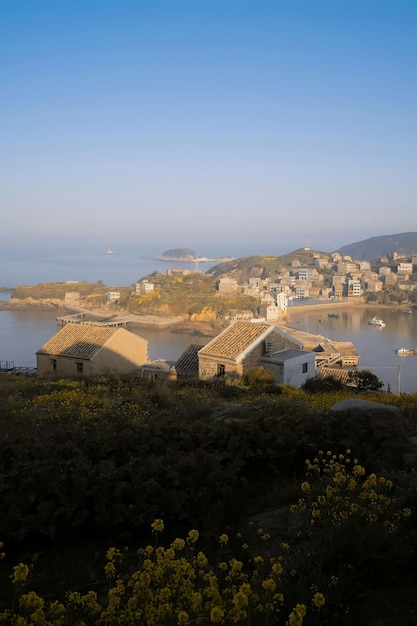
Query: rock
(377, 430)
(353, 404)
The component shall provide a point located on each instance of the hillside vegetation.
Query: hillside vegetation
(93, 470)
(264, 266)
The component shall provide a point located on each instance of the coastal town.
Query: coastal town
(256, 334)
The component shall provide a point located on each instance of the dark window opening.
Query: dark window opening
(221, 369)
(53, 365)
(80, 368)
(305, 368)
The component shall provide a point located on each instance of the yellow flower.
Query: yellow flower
(295, 619)
(182, 618)
(277, 569)
(178, 544)
(224, 539)
(20, 573)
(359, 470)
(201, 559)
(305, 486)
(109, 570)
(301, 609)
(32, 601)
(269, 584)
(319, 600)
(193, 535)
(240, 600)
(216, 615)
(157, 525)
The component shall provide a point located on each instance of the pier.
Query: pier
(81, 318)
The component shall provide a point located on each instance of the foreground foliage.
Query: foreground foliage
(103, 458)
(310, 577)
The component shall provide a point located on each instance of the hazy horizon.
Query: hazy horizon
(233, 125)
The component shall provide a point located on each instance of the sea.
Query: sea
(22, 333)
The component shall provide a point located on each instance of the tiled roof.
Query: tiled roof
(187, 364)
(319, 343)
(78, 341)
(235, 339)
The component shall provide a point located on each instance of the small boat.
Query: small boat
(376, 322)
(405, 351)
(335, 315)
(109, 251)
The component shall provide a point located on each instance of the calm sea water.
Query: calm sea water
(123, 268)
(22, 333)
(376, 346)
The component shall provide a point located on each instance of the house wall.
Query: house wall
(290, 371)
(64, 366)
(122, 354)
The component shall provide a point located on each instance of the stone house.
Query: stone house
(227, 285)
(241, 347)
(91, 350)
(245, 314)
(157, 370)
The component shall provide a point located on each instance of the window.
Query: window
(221, 369)
(80, 368)
(53, 365)
(305, 368)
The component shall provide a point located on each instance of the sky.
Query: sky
(255, 127)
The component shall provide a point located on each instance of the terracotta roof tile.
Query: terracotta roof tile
(187, 364)
(235, 339)
(78, 341)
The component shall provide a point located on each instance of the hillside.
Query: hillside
(263, 266)
(376, 247)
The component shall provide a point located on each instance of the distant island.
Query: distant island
(185, 255)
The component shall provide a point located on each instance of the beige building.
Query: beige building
(144, 287)
(227, 285)
(90, 350)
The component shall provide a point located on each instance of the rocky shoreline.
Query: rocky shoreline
(30, 304)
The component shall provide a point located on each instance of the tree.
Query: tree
(365, 380)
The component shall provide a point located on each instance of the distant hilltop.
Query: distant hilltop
(185, 255)
(384, 245)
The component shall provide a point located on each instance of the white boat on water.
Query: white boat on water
(405, 351)
(376, 322)
(109, 251)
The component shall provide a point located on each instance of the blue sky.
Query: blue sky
(245, 127)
